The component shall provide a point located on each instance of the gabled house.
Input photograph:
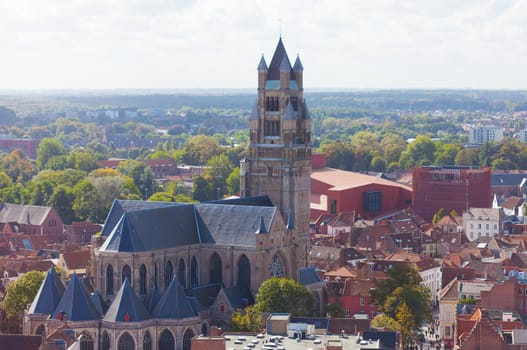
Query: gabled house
(32, 220)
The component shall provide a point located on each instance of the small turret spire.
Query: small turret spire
(262, 228)
(262, 66)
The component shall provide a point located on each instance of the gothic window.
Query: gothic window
(244, 272)
(182, 272)
(105, 341)
(215, 269)
(294, 102)
(126, 342)
(166, 340)
(194, 272)
(187, 337)
(147, 341)
(204, 329)
(272, 128)
(156, 276)
(169, 273)
(272, 104)
(142, 280)
(41, 330)
(126, 274)
(277, 266)
(85, 341)
(109, 280)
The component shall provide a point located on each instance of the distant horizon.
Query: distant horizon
(206, 44)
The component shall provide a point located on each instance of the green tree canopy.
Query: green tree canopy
(47, 149)
(280, 294)
(22, 292)
(247, 320)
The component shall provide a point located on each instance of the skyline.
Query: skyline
(163, 44)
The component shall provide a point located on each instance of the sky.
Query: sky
(183, 44)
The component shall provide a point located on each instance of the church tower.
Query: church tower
(279, 160)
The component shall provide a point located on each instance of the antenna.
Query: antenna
(280, 26)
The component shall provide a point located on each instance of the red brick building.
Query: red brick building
(31, 220)
(29, 147)
(451, 188)
(334, 191)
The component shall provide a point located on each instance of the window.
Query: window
(520, 291)
(479, 226)
(294, 102)
(109, 280)
(126, 274)
(126, 342)
(147, 341)
(105, 341)
(187, 337)
(194, 272)
(447, 331)
(85, 341)
(169, 273)
(487, 226)
(272, 128)
(244, 272)
(347, 312)
(166, 340)
(142, 280)
(182, 272)
(333, 206)
(372, 201)
(215, 268)
(277, 266)
(361, 301)
(272, 104)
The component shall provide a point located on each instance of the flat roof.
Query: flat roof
(341, 179)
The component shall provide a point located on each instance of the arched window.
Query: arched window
(244, 272)
(215, 269)
(277, 267)
(41, 330)
(169, 273)
(204, 329)
(142, 280)
(194, 281)
(166, 340)
(156, 276)
(187, 337)
(126, 342)
(147, 341)
(126, 274)
(109, 280)
(182, 272)
(85, 341)
(105, 341)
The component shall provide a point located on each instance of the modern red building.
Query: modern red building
(451, 188)
(29, 147)
(335, 191)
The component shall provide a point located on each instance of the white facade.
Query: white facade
(523, 135)
(483, 134)
(432, 279)
(482, 222)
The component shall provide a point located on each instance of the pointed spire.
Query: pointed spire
(254, 113)
(285, 66)
(75, 303)
(174, 303)
(289, 113)
(125, 303)
(49, 294)
(279, 55)
(262, 66)
(262, 228)
(291, 221)
(99, 303)
(298, 65)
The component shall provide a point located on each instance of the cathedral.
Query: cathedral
(166, 272)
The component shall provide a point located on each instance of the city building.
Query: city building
(31, 220)
(335, 191)
(482, 134)
(159, 268)
(482, 222)
(451, 188)
(27, 146)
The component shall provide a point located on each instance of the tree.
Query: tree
(419, 152)
(141, 174)
(438, 216)
(233, 181)
(85, 202)
(408, 326)
(22, 292)
(384, 321)
(162, 197)
(201, 190)
(403, 286)
(47, 149)
(247, 320)
(218, 169)
(446, 153)
(200, 149)
(280, 294)
(339, 155)
(17, 166)
(335, 310)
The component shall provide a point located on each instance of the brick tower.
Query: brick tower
(279, 161)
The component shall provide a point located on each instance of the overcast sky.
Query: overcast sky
(106, 44)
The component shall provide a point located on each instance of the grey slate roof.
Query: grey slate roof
(174, 303)
(285, 65)
(228, 222)
(262, 66)
(23, 214)
(49, 294)
(126, 302)
(152, 299)
(289, 113)
(239, 297)
(99, 302)
(76, 303)
(254, 112)
(234, 225)
(507, 179)
(273, 73)
(206, 294)
(308, 275)
(298, 65)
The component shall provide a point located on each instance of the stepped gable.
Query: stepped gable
(49, 294)
(174, 303)
(99, 303)
(126, 307)
(75, 304)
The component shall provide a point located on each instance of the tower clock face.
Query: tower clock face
(277, 266)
